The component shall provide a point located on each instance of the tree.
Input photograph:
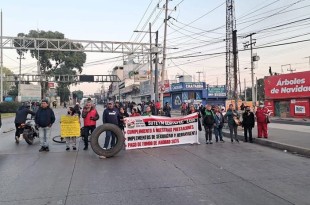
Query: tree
(260, 91)
(6, 85)
(78, 95)
(54, 62)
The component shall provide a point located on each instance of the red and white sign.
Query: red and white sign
(294, 85)
(157, 131)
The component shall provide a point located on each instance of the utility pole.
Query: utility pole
(20, 58)
(251, 43)
(164, 54)
(309, 61)
(151, 64)
(256, 89)
(156, 69)
(235, 55)
(199, 75)
(244, 90)
(1, 62)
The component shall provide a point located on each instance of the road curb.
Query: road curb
(277, 145)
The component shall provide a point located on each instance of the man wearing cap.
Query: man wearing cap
(110, 115)
(20, 118)
(45, 118)
(261, 117)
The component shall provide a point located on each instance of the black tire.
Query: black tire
(95, 137)
(27, 137)
(59, 139)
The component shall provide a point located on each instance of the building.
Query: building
(217, 95)
(288, 95)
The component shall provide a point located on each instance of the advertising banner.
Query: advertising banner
(157, 131)
(300, 109)
(70, 126)
(293, 85)
(30, 92)
(217, 91)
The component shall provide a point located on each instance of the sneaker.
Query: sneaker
(104, 148)
(232, 140)
(216, 141)
(210, 142)
(207, 142)
(237, 140)
(74, 148)
(85, 148)
(42, 149)
(102, 157)
(68, 148)
(222, 140)
(47, 149)
(16, 140)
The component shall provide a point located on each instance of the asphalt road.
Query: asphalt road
(222, 173)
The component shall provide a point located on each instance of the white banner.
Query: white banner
(157, 131)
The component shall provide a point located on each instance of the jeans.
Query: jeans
(208, 130)
(246, 130)
(86, 133)
(109, 134)
(233, 130)
(45, 134)
(218, 133)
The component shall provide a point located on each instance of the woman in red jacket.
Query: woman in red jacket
(90, 116)
(261, 116)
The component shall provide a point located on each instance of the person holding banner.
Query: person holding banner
(208, 123)
(90, 116)
(71, 140)
(193, 110)
(148, 111)
(122, 115)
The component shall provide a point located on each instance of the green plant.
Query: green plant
(9, 107)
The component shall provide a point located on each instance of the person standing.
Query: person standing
(261, 115)
(219, 123)
(122, 115)
(71, 140)
(248, 122)
(44, 119)
(167, 110)
(193, 110)
(208, 123)
(110, 115)
(90, 116)
(20, 118)
(231, 114)
(134, 112)
(157, 106)
(148, 111)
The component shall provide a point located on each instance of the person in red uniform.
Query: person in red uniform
(90, 116)
(261, 117)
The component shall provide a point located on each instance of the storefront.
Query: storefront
(288, 95)
(189, 92)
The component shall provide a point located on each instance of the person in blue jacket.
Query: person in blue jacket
(231, 114)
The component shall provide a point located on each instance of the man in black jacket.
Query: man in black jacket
(45, 118)
(248, 123)
(110, 115)
(208, 123)
(20, 118)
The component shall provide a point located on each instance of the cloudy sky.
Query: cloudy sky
(196, 28)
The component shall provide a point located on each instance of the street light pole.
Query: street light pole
(156, 68)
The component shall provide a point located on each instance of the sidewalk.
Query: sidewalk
(289, 138)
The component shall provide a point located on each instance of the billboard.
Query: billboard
(293, 85)
(30, 92)
(217, 91)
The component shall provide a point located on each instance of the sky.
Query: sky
(196, 33)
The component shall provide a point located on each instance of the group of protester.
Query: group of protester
(213, 120)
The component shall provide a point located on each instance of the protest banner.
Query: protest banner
(157, 131)
(70, 126)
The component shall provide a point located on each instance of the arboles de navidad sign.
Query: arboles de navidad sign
(293, 85)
